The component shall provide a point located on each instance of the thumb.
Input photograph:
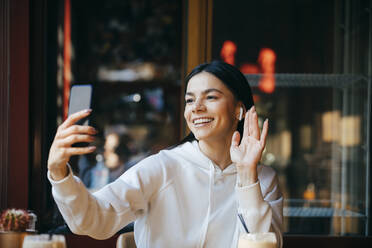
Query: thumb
(235, 139)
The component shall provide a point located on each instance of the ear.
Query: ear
(241, 112)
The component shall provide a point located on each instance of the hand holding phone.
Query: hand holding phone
(64, 144)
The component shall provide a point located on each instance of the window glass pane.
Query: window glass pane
(305, 63)
(126, 40)
(131, 52)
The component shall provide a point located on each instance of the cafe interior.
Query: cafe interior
(309, 63)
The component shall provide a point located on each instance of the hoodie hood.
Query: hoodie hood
(190, 151)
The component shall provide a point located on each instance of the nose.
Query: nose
(198, 105)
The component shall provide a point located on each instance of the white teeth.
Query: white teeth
(203, 120)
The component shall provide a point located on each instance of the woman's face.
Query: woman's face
(112, 141)
(210, 110)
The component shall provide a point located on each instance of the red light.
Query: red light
(66, 58)
(266, 65)
(228, 51)
(266, 59)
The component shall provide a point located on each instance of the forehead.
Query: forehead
(204, 81)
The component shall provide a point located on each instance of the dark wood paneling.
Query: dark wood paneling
(44, 17)
(77, 241)
(37, 172)
(290, 241)
(369, 73)
(4, 99)
(18, 104)
(14, 103)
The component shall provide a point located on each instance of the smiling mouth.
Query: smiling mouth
(202, 121)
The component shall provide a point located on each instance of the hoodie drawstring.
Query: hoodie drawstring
(205, 225)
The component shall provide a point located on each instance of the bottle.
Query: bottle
(32, 223)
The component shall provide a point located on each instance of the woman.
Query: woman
(187, 196)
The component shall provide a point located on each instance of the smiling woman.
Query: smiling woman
(231, 79)
(211, 109)
(219, 164)
(220, 89)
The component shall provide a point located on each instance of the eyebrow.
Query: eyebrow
(205, 92)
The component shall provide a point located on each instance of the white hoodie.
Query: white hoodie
(177, 198)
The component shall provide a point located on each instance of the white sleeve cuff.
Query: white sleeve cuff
(65, 186)
(53, 182)
(250, 196)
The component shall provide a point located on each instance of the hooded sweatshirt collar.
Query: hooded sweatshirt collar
(202, 160)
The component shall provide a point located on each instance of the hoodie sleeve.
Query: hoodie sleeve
(261, 204)
(103, 213)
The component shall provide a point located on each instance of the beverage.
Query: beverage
(44, 241)
(257, 240)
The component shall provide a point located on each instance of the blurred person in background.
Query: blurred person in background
(109, 166)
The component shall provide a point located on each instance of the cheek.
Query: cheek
(228, 112)
(186, 113)
(223, 109)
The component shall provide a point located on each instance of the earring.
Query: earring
(241, 114)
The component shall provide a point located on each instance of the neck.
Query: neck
(218, 151)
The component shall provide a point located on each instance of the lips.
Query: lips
(201, 121)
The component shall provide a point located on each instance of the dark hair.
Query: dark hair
(233, 79)
(122, 149)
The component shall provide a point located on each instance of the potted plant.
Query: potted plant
(13, 225)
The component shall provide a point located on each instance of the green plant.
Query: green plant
(16, 220)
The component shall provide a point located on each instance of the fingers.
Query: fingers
(264, 133)
(69, 134)
(67, 152)
(64, 149)
(76, 129)
(72, 119)
(79, 150)
(246, 124)
(251, 127)
(254, 129)
(235, 139)
(75, 138)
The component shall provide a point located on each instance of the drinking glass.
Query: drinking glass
(257, 240)
(44, 241)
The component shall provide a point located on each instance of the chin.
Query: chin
(198, 136)
(205, 136)
(212, 137)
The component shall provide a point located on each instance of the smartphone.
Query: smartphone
(80, 99)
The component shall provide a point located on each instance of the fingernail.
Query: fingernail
(92, 148)
(87, 110)
(253, 109)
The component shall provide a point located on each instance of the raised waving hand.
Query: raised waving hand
(68, 133)
(248, 153)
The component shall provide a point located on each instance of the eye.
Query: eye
(189, 100)
(211, 97)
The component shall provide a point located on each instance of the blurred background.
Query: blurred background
(309, 64)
